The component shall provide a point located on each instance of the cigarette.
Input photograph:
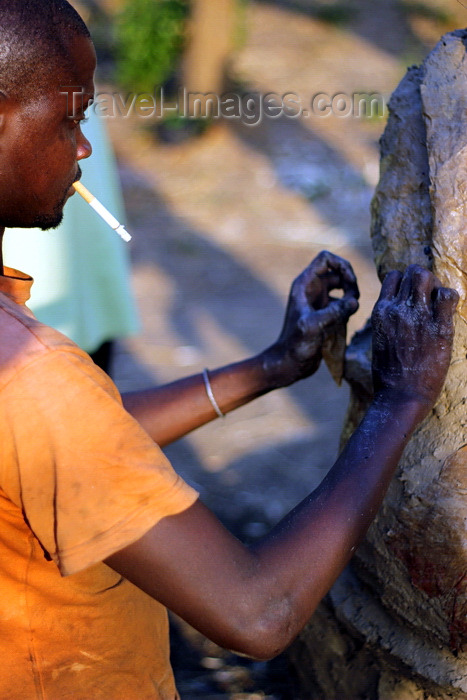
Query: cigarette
(102, 211)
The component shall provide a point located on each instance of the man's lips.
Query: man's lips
(77, 177)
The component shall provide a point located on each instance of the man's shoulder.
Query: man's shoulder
(25, 341)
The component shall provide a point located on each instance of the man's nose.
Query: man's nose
(83, 147)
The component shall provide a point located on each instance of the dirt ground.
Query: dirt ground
(221, 225)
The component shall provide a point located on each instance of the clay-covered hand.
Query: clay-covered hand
(413, 331)
(311, 315)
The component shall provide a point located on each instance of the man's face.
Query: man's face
(41, 143)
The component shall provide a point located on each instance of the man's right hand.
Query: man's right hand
(412, 336)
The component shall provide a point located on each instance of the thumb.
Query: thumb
(336, 312)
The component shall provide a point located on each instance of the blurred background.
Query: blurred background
(225, 213)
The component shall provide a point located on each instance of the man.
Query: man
(81, 483)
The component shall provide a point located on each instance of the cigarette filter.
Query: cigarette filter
(102, 211)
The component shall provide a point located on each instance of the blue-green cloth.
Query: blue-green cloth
(81, 269)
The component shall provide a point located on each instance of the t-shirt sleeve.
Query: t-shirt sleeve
(87, 477)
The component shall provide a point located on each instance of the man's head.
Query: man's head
(44, 49)
(34, 40)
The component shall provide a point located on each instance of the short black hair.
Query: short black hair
(34, 35)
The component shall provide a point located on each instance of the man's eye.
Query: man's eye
(79, 121)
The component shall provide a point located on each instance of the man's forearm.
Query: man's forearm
(325, 529)
(171, 411)
(256, 600)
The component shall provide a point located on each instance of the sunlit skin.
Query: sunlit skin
(42, 143)
(253, 600)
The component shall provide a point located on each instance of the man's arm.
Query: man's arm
(255, 600)
(169, 412)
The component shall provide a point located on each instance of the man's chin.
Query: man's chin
(46, 223)
(41, 220)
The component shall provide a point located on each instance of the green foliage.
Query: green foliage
(150, 35)
(428, 11)
(240, 31)
(177, 128)
(335, 13)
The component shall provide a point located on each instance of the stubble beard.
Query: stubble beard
(48, 221)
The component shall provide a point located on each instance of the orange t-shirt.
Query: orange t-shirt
(79, 480)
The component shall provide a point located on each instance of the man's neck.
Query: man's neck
(2, 231)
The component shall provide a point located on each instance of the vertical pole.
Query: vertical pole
(210, 40)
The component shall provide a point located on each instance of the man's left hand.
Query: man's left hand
(311, 315)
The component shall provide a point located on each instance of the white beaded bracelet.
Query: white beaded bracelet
(207, 385)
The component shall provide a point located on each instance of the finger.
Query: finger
(331, 281)
(445, 301)
(319, 292)
(423, 283)
(323, 262)
(416, 285)
(329, 263)
(336, 313)
(390, 285)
